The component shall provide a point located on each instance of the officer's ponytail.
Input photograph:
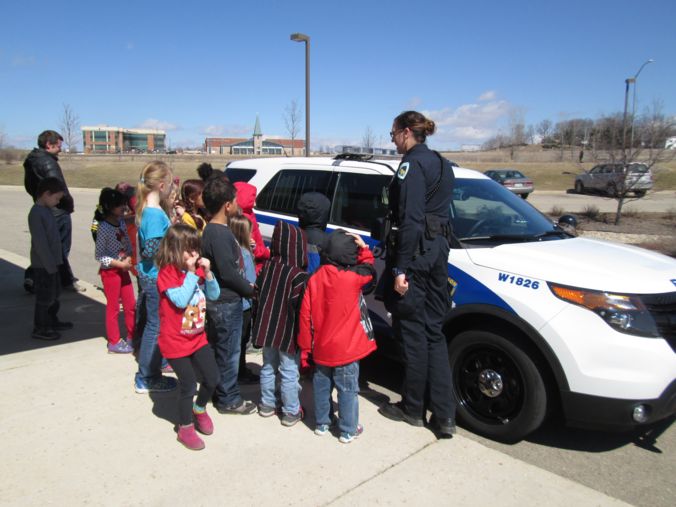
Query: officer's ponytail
(416, 123)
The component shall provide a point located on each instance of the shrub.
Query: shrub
(591, 211)
(556, 211)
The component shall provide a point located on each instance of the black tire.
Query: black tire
(639, 193)
(579, 187)
(514, 410)
(525, 196)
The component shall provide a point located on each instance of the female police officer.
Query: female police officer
(418, 297)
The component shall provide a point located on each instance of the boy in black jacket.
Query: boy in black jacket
(224, 325)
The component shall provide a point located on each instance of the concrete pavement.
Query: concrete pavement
(74, 432)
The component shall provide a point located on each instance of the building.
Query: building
(257, 144)
(387, 152)
(105, 139)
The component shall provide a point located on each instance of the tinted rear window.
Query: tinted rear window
(235, 175)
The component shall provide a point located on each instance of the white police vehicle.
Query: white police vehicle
(540, 320)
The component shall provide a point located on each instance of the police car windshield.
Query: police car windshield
(484, 211)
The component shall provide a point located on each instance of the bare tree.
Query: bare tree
(368, 139)
(70, 128)
(544, 128)
(293, 120)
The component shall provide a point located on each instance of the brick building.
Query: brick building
(257, 144)
(105, 139)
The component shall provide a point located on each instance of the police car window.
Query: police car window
(481, 209)
(283, 191)
(358, 200)
(237, 174)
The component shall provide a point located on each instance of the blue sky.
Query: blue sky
(206, 68)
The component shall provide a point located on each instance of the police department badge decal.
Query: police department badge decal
(403, 170)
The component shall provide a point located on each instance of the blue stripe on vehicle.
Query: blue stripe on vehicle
(469, 290)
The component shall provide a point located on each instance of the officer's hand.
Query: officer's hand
(400, 284)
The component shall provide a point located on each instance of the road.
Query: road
(654, 202)
(628, 467)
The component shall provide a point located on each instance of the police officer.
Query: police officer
(418, 295)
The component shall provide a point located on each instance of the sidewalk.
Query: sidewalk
(74, 432)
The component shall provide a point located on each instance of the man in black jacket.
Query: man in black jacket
(41, 163)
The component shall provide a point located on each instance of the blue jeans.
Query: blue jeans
(346, 379)
(225, 334)
(149, 357)
(287, 364)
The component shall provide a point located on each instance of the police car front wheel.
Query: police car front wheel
(499, 389)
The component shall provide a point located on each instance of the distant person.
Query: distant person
(154, 194)
(241, 228)
(41, 163)
(246, 200)
(185, 282)
(225, 314)
(335, 330)
(313, 215)
(113, 253)
(279, 292)
(46, 258)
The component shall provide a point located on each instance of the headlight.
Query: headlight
(624, 313)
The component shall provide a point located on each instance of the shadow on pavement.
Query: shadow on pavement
(17, 308)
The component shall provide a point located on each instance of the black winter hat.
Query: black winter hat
(340, 249)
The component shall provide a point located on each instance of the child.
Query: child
(246, 199)
(280, 288)
(191, 205)
(113, 252)
(313, 215)
(336, 331)
(182, 338)
(225, 314)
(241, 228)
(46, 259)
(154, 192)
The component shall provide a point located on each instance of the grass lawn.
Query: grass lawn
(107, 170)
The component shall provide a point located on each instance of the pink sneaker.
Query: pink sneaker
(188, 437)
(203, 423)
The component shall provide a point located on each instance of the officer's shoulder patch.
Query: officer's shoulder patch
(403, 170)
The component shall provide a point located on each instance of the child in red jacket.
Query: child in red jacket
(246, 200)
(336, 331)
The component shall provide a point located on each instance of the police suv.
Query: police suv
(540, 320)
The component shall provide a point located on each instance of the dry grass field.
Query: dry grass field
(544, 167)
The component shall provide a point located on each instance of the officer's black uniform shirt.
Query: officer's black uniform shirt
(416, 177)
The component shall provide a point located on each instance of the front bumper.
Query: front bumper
(596, 412)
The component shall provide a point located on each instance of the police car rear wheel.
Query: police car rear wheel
(499, 389)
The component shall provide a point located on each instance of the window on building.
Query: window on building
(283, 191)
(358, 201)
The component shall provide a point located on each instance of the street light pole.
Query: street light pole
(627, 82)
(300, 37)
(633, 103)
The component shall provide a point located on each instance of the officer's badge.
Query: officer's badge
(403, 170)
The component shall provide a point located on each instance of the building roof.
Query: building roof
(257, 128)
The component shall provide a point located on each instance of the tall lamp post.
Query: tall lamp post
(628, 82)
(301, 37)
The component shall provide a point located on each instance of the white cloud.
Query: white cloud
(152, 123)
(487, 95)
(227, 131)
(413, 103)
(469, 123)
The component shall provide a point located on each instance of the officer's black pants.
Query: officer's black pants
(418, 322)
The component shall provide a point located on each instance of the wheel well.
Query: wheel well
(517, 335)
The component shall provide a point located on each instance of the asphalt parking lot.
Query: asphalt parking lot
(75, 428)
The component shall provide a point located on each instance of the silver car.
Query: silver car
(612, 179)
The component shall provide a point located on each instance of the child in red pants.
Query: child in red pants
(113, 252)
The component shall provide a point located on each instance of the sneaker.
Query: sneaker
(395, 412)
(266, 411)
(160, 385)
(45, 334)
(75, 287)
(321, 430)
(346, 438)
(188, 437)
(121, 347)
(241, 408)
(289, 420)
(203, 423)
(60, 325)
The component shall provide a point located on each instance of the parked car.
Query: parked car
(512, 180)
(540, 321)
(612, 179)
